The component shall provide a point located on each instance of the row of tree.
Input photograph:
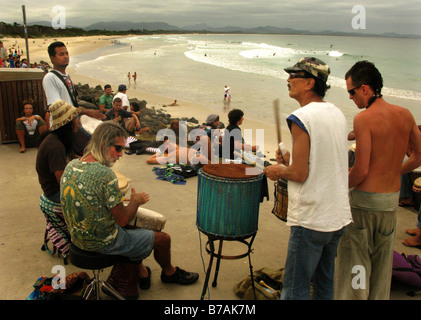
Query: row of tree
(39, 31)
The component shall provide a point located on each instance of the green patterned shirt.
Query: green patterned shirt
(88, 191)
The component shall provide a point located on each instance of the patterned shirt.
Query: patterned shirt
(88, 191)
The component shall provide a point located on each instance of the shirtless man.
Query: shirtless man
(383, 133)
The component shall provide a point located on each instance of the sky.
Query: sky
(366, 16)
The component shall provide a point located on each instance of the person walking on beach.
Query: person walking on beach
(383, 134)
(98, 224)
(318, 205)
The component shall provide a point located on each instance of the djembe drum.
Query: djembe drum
(416, 189)
(85, 132)
(124, 275)
(280, 208)
(228, 201)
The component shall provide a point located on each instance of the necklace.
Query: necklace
(372, 99)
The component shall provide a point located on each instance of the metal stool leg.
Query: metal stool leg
(96, 285)
(112, 290)
(205, 285)
(218, 262)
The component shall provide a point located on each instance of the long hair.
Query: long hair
(103, 138)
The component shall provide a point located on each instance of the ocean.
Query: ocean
(196, 67)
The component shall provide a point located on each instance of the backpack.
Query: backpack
(407, 269)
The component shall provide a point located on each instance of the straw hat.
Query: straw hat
(62, 113)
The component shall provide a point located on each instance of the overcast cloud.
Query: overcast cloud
(315, 15)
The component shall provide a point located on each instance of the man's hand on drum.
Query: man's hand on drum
(274, 172)
(140, 198)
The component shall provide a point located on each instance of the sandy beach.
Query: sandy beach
(79, 45)
(22, 224)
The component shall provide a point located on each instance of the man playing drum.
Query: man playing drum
(318, 206)
(95, 214)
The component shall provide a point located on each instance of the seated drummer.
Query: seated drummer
(94, 211)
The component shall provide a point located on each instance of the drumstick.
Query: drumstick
(281, 147)
(262, 283)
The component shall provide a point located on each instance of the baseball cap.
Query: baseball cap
(314, 66)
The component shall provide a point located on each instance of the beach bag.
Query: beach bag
(76, 284)
(407, 269)
(267, 283)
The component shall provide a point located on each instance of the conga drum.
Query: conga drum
(85, 132)
(144, 218)
(148, 219)
(280, 208)
(228, 200)
(123, 182)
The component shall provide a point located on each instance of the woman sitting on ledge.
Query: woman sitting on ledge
(29, 127)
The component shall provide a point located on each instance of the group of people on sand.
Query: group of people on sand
(338, 217)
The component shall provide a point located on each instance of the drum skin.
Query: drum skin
(228, 207)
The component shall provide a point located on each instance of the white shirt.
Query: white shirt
(321, 202)
(124, 99)
(54, 88)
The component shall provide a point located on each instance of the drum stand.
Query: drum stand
(210, 248)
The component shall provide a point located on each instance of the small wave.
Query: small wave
(335, 53)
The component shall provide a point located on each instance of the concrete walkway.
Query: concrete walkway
(22, 227)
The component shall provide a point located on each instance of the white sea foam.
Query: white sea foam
(196, 67)
(335, 54)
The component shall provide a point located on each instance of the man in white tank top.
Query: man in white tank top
(317, 174)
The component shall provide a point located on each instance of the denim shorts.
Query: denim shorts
(135, 244)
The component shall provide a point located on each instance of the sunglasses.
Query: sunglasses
(352, 91)
(293, 75)
(118, 148)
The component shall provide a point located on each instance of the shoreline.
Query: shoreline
(84, 44)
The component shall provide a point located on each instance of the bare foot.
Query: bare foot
(22, 150)
(413, 241)
(412, 232)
